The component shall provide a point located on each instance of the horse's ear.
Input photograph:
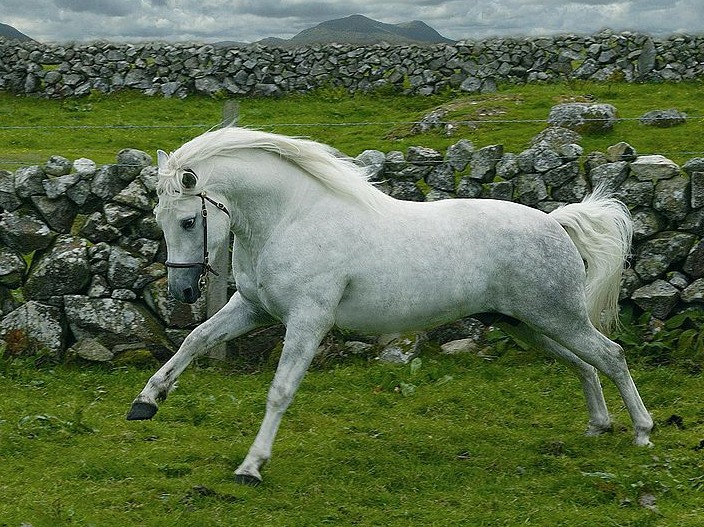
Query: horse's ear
(188, 180)
(161, 159)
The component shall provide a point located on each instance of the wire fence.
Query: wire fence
(433, 125)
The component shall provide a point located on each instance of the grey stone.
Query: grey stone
(483, 163)
(84, 167)
(130, 163)
(120, 216)
(694, 293)
(609, 175)
(635, 193)
(621, 152)
(694, 264)
(507, 167)
(402, 349)
(663, 118)
(442, 178)
(34, 327)
(9, 200)
(123, 268)
(530, 189)
(654, 168)
(697, 189)
(672, 197)
(459, 155)
(12, 268)
(58, 186)
(107, 182)
(659, 298)
(91, 350)
(28, 181)
(58, 166)
(97, 229)
(583, 118)
(112, 322)
(646, 223)
(560, 175)
(24, 232)
(655, 256)
(64, 270)
(58, 213)
(555, 137)
(406, 190)
(469, 188)
(420, 155)
(696, 164)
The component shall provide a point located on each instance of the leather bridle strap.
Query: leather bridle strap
(205, 264)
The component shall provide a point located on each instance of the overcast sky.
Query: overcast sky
(252, 20)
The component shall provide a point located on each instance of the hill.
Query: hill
(358, 29)
(11, 33)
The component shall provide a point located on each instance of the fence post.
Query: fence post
(216, 295)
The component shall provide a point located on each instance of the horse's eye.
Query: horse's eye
(188, 224)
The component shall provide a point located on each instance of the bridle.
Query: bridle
(205, 264)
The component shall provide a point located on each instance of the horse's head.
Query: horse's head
(191, 233)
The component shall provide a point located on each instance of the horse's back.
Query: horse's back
(431, 263)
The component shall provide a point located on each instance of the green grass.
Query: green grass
(99, 126)
(478, 443)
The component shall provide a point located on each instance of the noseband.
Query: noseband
(205, 264)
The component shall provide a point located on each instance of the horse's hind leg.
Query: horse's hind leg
(599, 419)
(608, 357)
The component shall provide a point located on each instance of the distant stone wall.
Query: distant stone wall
(473, 66)
(81, 258)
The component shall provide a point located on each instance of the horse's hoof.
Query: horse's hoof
(141, 411)
(247, 479)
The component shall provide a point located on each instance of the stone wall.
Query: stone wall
(182, 69)
(81, 258)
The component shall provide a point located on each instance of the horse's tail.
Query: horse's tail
(601, 227)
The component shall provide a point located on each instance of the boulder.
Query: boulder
(12, 268)
(654, 168)
(64, 270)
(658, 297)
(24, 231)
(655, 256)
(113, 322)
(583, 118)
(663, 118)
(33, 328)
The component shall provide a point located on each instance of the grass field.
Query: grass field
(99, 126)
(478, 442)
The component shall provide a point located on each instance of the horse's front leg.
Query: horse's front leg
(236, 318)
(300, 345)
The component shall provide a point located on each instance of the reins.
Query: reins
(205, 264)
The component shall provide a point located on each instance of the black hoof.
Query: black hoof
(141, 411)
(246, 479)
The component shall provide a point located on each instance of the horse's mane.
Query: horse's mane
(339, 174)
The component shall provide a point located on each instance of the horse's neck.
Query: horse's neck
(268, 192)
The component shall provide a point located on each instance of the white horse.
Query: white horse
(317, 245)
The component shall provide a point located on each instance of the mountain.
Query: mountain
(358, 29)
(10, 33)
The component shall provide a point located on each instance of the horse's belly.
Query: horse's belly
(390, 310)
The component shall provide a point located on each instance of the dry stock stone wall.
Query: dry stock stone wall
(182, 69)
(96, 279)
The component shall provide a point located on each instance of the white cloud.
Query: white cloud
(251, 20)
